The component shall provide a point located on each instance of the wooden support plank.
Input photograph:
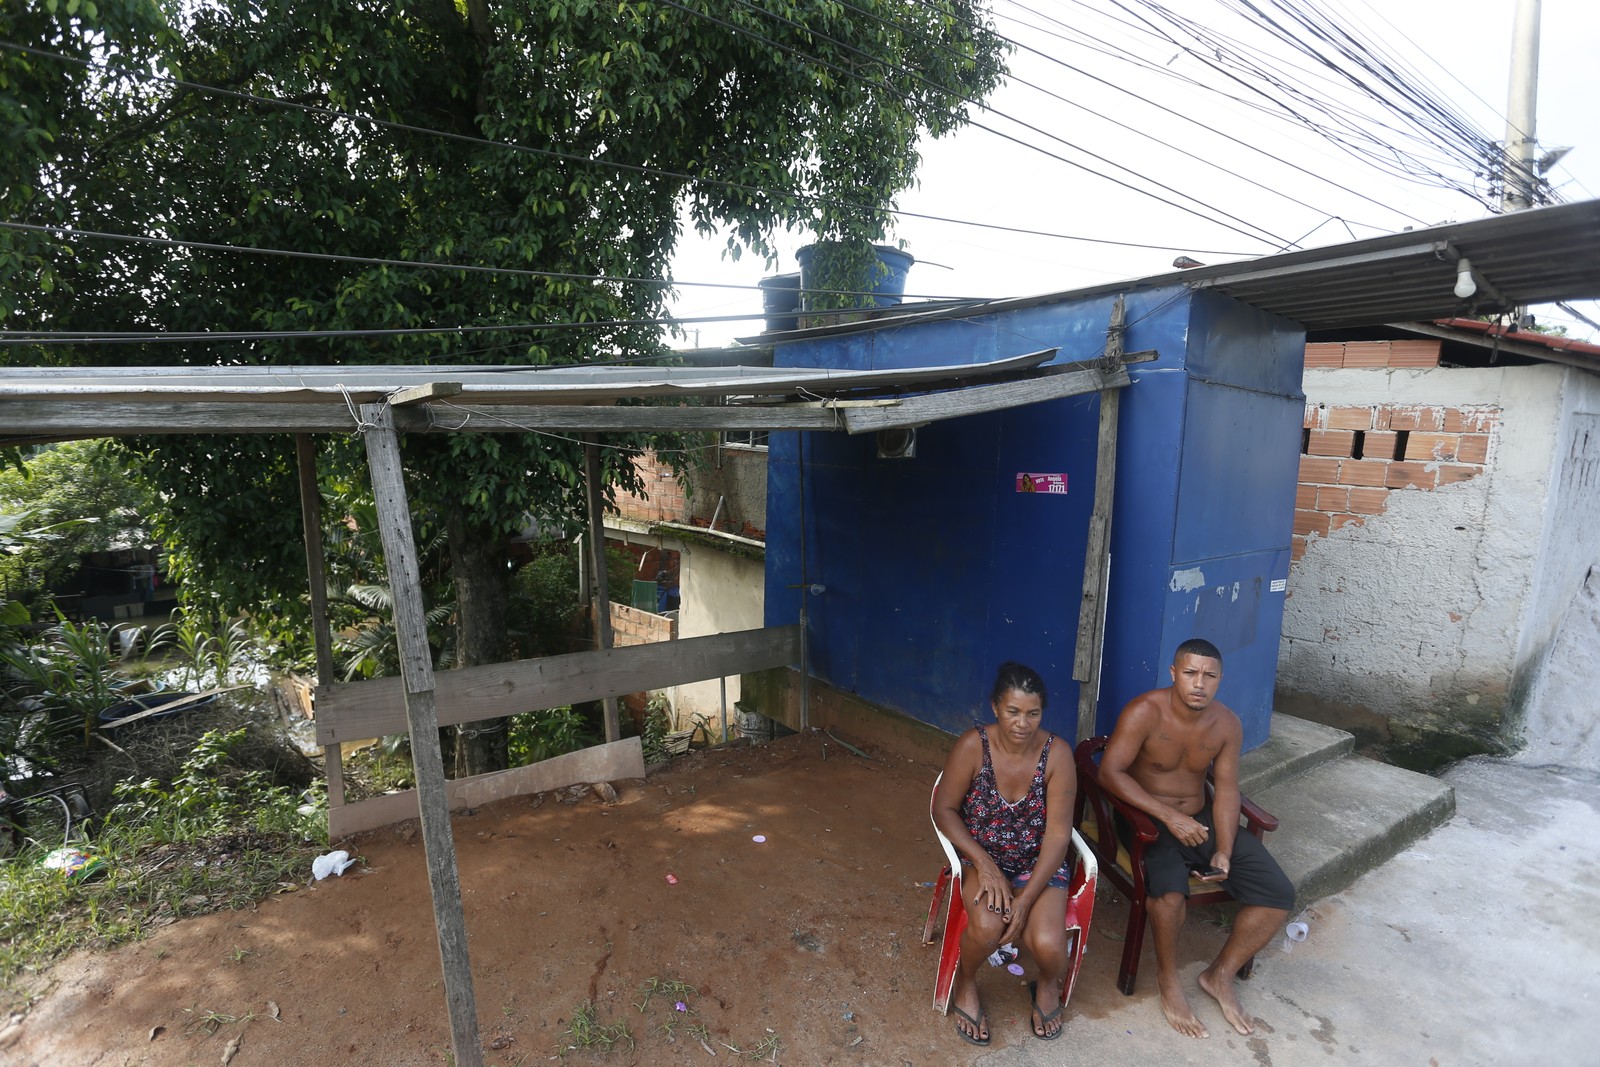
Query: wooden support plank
(976, 399)
(611, 762)
(1087, 658)
(316, 575)
(416, 671)
(356, 711)
(30, 419)
(600, 600)
(609, 418)
(170, 708)
(99, 408)
(417, 394)
(600, 418)
(370, 383)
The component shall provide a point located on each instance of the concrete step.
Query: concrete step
(1343, 818)
(1294, 747)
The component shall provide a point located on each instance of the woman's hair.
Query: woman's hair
(1023, 679)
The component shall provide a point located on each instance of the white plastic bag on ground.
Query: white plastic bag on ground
(333, 863)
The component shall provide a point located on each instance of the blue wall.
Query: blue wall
(936, 569)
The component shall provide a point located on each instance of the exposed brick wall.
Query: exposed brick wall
(630, 626)
(1331, 355)
(664, 498)
(1353, 457)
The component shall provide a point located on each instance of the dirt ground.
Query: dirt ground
(811, 937)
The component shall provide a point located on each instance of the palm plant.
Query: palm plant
(190, 642)
(210, 648)
(373, 650)
(65, 680)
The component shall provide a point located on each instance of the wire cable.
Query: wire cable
(724, 23)
(1308, 172)
(66, 337)
(1238, 64)
(569, 157)
(209, 246)
(1060, 98)
(1226, 51)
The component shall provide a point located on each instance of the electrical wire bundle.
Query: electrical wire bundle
(1299, 64)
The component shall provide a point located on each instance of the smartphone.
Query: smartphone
(1207, 872)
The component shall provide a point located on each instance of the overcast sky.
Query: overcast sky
(1287, 186)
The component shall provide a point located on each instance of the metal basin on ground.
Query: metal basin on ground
(165, 705)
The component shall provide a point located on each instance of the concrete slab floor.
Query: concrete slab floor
(1478, 945)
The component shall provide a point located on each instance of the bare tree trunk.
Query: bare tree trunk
(482, 576)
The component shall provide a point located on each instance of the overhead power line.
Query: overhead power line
(1254, 232)
(1496, 110)
(569, 157)
(70, 337)
(1015, 79)
(1427, 122)
(1247, 64)
(1167, 72)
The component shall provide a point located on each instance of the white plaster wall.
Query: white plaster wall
(1417, 614)
(1560, 651)
(718, 593)
(1563, 727)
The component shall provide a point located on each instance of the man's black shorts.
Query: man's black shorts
(1254, 877)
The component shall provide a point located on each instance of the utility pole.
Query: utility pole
(1518, 178)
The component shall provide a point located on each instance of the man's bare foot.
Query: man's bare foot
(1221, 990)
(1178, 1012)
(971, 1023)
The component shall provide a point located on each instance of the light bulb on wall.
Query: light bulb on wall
(1465, 284)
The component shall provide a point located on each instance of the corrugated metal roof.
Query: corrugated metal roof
(1546, 348)
(1499, 331)
(49, 404)
(478, 384)
(1527, 257)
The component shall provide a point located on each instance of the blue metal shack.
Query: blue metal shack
(936, 568)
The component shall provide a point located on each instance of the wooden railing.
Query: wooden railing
(356, 711)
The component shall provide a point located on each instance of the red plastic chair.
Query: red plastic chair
(1080, 908)
(1125, 869)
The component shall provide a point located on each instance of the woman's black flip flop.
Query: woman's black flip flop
(1044, 1020)
(977, 1027)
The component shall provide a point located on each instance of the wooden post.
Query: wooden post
(602, 583)
(322, 635)
(416, 671)
(1087, 661)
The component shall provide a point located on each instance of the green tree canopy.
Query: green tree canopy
(82, 491)
(570, 137)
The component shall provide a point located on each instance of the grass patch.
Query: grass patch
(586, 1032)
(683, 1020)
(670, 988)
(213, 839)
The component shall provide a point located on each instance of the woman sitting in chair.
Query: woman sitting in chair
(1005, 802)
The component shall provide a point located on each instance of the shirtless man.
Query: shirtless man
(1156, 760)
